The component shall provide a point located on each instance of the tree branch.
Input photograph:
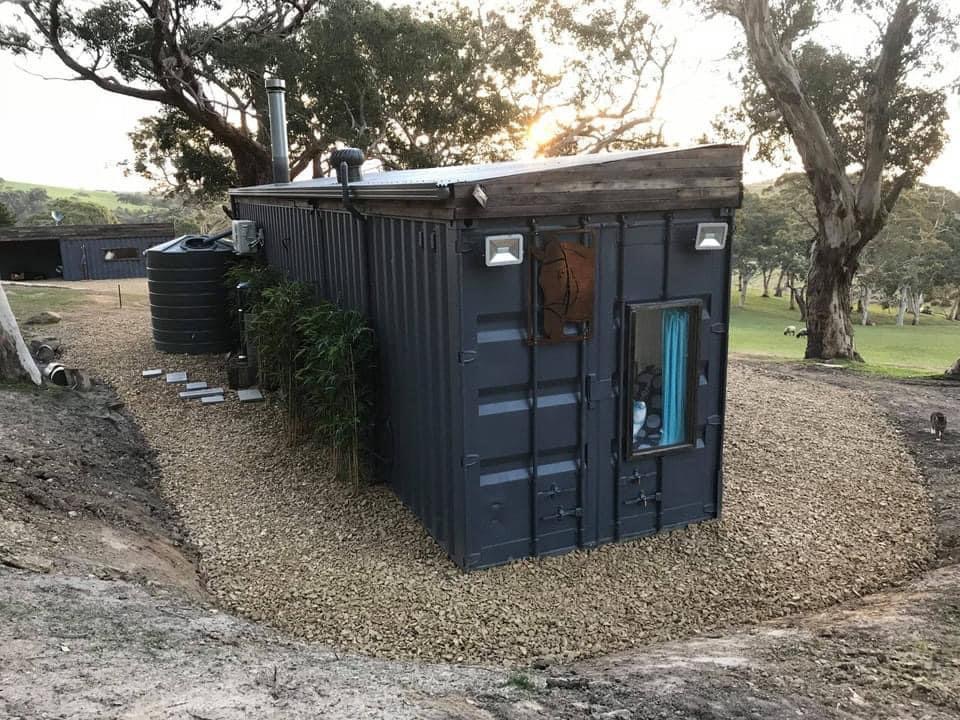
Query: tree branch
(883, 80)
(52, 36)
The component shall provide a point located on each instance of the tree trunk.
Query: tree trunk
(15, 360)
(902, 307)
(766, 275)
(830, 332)
(778, 291)
(916, 302)
(744, 282)
(799, 297)
(864, 305)
(252, 168)
(954, 309)
(793, 294)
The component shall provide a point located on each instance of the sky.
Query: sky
(73, 134)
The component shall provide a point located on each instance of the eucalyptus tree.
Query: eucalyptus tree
(865, 124)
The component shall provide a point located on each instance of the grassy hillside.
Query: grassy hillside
(929, 348)
(107, 198)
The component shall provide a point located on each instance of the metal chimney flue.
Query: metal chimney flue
(276, 99)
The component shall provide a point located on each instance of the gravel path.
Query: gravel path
(812, 516)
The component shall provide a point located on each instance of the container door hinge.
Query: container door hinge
(466, 356)
(562, 513)
(644, 499)
(715, 420)
(469, 460)
(719, 328)
(588, 389)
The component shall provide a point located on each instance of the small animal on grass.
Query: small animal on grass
(802, 333)
(790, 330)
(938, 424)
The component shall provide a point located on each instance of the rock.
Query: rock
(621, 714)
(37, 565)
(567, 683)
(47, 317)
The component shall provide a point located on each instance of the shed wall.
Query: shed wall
(83, 259)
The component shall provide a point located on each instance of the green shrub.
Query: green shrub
(259, 275)
(322, 361)
(274, 327)
(337, 370)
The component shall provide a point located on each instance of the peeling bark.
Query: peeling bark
(830, 332)
(15, 360)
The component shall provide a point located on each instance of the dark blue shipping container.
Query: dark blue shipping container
(553, 344)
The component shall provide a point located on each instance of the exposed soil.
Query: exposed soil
(78, 491)
(86, 648)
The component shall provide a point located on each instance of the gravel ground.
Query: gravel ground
(813, 515)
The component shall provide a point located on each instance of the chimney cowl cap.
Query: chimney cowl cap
(274, 83)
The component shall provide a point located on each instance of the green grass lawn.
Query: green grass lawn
(927, 349)
(27, 301)
(106, 198)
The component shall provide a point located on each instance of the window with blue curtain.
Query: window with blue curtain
(660, 373)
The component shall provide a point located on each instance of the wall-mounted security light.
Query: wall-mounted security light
(711, 236)
(503, 250)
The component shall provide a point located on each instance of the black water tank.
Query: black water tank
(188, 295)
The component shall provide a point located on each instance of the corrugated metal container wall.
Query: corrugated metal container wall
(86, 258)
(322, 248)
(412, 310)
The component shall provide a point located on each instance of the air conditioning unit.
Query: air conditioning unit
(246, 238)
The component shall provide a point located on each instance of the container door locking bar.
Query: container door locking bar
(644, 499)
(563, 513)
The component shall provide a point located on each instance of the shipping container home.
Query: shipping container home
(553, 336)
(78, 252)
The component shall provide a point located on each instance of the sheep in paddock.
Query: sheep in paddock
(790, 330)
(802, 333)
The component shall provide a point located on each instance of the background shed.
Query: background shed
(78, 252)
(505, 442)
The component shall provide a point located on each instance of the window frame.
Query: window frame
(135, 257)
(695, 307)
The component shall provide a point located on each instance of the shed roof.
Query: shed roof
(86, 232)
(672, 178)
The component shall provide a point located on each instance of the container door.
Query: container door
(672, 316)
(528, 333)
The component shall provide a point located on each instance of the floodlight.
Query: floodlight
(503, 250)
(711, 236)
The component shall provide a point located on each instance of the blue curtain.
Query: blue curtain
(675, 332)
